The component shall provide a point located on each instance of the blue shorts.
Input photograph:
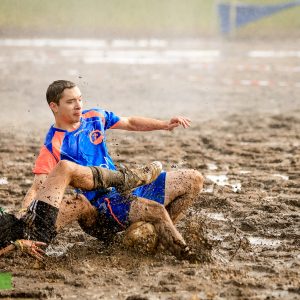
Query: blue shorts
(116, 207)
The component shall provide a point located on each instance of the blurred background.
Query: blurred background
(205, 59)
(141, 18)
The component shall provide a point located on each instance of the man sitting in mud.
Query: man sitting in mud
(76, 142)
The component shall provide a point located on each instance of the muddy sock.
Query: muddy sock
(40, 220)
(113, 178)
(104, 178)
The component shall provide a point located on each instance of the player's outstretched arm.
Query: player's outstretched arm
(148, 124)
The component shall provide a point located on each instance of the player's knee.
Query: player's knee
(196, 181)
(64, 166)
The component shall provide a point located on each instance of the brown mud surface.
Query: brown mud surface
(245, 140)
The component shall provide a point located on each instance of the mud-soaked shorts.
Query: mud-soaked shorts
(114, 208)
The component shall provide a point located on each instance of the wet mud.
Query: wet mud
(248, 239)
(245, 225)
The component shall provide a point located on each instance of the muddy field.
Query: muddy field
(243, 99)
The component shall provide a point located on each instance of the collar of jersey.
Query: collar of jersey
(82, 120)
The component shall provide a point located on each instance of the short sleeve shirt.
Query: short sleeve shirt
(85, 146)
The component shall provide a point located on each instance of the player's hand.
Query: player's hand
(32, 248)
(179, 121)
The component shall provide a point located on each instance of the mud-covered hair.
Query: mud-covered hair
(56, 88)
(11, 229)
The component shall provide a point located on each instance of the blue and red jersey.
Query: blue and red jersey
(85, 146)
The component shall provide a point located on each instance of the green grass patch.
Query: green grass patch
(5, 281)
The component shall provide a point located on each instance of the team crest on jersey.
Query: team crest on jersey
(96, 137)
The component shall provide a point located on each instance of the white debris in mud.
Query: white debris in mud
(244, 172)
(56, 251)
(28, 181)
(216, 237)
(222, 180)
(60, 250)
(236, 187)
(284, 177)
(212, 166)
(216, 216)
(3, 181)
(257, 241)
(208, 189)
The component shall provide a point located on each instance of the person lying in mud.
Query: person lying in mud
(49, 212)
(79, 136)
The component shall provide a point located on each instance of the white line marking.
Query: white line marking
(84, 43)
(273, 54)
(246, 82)
(282, 83)
(79, 43)
(264, 83)
(90, 56)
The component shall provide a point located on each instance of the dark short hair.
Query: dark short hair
(56, 88)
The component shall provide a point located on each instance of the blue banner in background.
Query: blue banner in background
(232, 16)
(224, 13)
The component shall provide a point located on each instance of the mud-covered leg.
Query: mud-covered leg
(182, 190)
(40, 218)
(88, 178)
(155, 213)
(76, 208)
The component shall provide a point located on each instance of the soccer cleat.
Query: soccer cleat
(139, 176)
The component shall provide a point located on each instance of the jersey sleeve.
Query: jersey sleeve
(110, 119)
(45, 162)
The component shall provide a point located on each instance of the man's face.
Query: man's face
(70, 106)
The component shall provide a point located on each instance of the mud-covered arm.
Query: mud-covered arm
(32, 248)
(37, 182)
(7, 249)
(148, 124)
